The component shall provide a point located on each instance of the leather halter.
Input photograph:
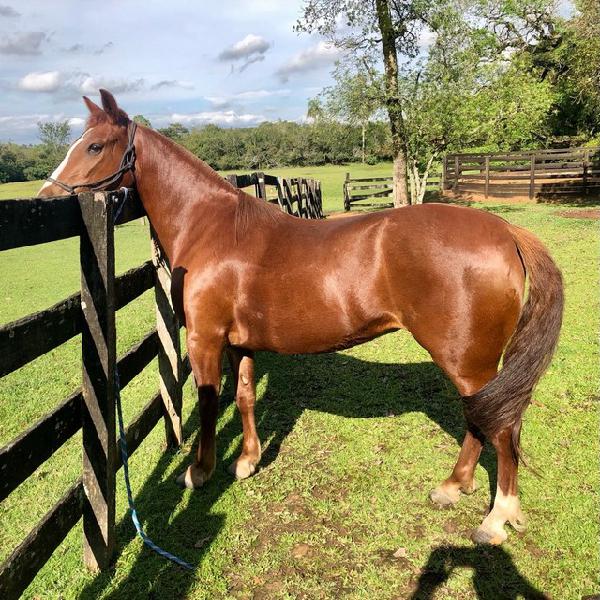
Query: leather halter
(127, 164)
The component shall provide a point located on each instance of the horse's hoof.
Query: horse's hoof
(242, 468)
(192, 478)
(442, 499)
(481, 536)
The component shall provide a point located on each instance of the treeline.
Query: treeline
(269, 145)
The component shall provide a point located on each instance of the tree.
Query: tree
(142, 120)
(54, 135)
(174, 131)
(384, 30)
(355, 99)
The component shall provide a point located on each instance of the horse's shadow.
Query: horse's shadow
(335, 383)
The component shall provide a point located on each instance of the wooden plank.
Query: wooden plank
(98, 343)
(25, 339)
(383, 194)
(23, 455)
(19, 569)
(374, 186)
(169, 347)
(487, 176)
(28, 338)
(32, 221)
(365, 179)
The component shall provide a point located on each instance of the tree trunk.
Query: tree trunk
(363, 143)
(392, 101)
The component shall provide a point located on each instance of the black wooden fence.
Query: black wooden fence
(542, 174)
(91, 408)
(297, 196)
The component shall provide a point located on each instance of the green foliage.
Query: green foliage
(174, 131)
(142, 120)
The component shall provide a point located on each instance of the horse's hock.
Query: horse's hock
(91, 408)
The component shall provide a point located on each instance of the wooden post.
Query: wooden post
(444, 175)
(586, 162)
(456, 169)
(232, 179)
(170, 367)
(487, 176)
(346, 194)
(98, 344)
(261, 190)
(532, 178)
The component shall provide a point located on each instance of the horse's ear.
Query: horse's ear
(109, 104)
(92, 106)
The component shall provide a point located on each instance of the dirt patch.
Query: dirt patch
(590, 213)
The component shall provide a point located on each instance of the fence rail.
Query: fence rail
(91, 408)
(536, 173)
(377, 190)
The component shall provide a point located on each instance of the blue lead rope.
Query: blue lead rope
(134, 515)
(125, 455)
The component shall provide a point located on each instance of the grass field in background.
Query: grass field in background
(331, 178)
(353, 441)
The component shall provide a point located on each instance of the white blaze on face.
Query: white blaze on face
(56, 173)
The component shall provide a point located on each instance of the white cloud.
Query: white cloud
(8, 11)
(91, 85)
(76, 121)
(248, 96)
(245, 48)
(27, 43)
(223, 117)
(312, 58)
(48, 81)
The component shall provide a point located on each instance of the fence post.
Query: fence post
(532, 178)
(487, 175)
(169, 347)
(346, 195)
(98, 345)
(444, 175)
(456, 168)
(586, 161)
(232, 179)
(261, 190)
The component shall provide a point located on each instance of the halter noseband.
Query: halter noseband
(127, 164)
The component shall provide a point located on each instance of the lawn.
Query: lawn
(331, 178)
(353, 441)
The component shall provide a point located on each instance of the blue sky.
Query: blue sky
(231, 63)
(228, 62)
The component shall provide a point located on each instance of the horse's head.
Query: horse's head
(105, 149)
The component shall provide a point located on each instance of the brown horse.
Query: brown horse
(255, 278)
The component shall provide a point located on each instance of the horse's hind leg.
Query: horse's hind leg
(462, 478)
(506, 503)
(242, 363)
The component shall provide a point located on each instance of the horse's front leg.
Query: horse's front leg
(205, 359)
(242, 364)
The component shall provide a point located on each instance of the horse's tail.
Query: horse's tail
(501, 402)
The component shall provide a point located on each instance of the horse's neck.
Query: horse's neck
(179, 192)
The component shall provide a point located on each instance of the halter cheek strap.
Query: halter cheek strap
(127, 164)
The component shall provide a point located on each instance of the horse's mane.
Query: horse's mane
(253, 213)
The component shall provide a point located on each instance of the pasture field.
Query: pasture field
(330, 176)
(353, 441)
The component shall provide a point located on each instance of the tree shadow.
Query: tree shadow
(335, 383)
(495, 575)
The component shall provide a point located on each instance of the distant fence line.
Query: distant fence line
(535, 173)
(377, 190)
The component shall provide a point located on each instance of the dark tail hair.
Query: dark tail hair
(501, 402)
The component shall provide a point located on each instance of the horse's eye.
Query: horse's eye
(94, 149)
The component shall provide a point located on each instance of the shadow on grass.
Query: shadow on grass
(495, 575)
(334, 383)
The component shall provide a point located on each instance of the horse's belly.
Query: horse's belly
(307, 334)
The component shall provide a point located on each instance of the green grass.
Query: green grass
(331, 178)
(353, 441)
